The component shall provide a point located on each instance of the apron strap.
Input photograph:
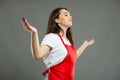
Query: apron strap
(45, 72)
(61, 39)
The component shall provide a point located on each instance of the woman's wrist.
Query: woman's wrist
(85, 44)
(34, 32)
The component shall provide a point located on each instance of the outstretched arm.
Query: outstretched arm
(37, 50)
(84, 46)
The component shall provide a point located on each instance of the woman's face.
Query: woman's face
(65, 19)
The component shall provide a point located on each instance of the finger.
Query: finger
(25, 22)
(23, 19)
(92, 41)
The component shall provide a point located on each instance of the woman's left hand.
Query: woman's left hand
(89, 42)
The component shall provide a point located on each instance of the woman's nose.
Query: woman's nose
(70, 17)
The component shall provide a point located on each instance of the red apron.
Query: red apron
(65, 69)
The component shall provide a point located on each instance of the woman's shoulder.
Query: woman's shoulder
(51, 35)
(51, 39)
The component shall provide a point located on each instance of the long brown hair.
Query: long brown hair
(53, 27)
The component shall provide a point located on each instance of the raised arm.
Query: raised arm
(84, 46)
(38, 51)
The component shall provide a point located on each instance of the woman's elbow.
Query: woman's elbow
(37, 57)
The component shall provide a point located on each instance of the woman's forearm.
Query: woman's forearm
(35, 44)
(81, 49)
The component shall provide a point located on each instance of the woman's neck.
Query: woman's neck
(63, 32)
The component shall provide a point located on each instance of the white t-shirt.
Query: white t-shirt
(58, 52)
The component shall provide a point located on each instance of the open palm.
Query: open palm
(89, 42)
(27, 26)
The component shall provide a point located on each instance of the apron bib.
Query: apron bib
(65, 69)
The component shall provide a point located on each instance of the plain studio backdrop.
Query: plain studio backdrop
(98, 19)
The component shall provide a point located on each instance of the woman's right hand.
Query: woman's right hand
(27, 26)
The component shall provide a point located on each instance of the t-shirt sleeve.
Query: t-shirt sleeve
(50, 39)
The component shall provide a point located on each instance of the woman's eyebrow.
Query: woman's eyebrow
(66, 13)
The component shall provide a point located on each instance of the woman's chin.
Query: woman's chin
(70, 25)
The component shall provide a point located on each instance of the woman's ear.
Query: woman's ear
(57, 20)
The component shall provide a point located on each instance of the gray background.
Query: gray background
(98, 19)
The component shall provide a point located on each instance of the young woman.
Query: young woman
(57, 47)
